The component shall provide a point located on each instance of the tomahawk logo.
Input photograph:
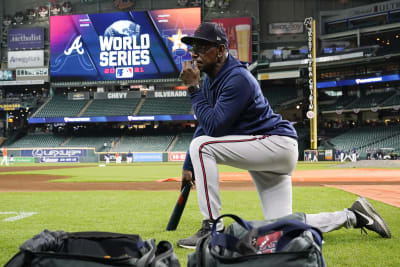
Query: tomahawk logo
(76, 45)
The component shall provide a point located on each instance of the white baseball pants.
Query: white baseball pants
(270, 161)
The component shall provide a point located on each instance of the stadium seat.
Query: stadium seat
(166, 106)
(60, 106)
(183, 142)
(38, 140)
(144, 143)
(111, 107)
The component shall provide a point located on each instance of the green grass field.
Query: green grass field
(147, 212)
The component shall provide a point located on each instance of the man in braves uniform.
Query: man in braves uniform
(237, 127)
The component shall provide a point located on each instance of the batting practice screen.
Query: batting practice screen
(120, 46)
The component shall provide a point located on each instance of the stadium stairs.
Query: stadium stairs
(41, 107)
(182, 142)
(85, 107)
(173, 142)
(139, 106)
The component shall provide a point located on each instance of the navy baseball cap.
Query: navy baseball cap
(209, 32)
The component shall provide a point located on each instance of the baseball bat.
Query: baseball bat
(179, 207)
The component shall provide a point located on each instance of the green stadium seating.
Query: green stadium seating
(363, 138)
(145, 143)
(166, 106)
(183, 142)
(371, 100)
(111, 107)
(341, 103)
(391, 142)
(276, 96)
(38, 140)
(96, 142)
(60, 106)
(393, 101)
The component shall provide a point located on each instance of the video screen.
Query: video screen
(120, 46)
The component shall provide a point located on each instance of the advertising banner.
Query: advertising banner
(26, 38)
(184, 117)
(171, 93)
(23, 82)
(120, 46)
(239, 36)
(56, 152)
(143, 157)
(377, 79)
(58, 159)
(329, 154)
(286, 28)
(23, 59)
(10, 106)
(117, 95)
(321, 155)
(32, 74)
(24, 160)
(176, 156)
(278, 75)
(78, 96)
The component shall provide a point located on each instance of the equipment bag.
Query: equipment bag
(93, 249)
(287, 242)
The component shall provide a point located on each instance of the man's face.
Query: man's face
(205, 53)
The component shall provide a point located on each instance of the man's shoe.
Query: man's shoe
(369, 218)
(190, 242)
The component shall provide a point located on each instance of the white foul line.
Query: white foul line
(18, 215)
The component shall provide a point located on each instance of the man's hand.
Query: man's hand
(190, 75)
(187, 178)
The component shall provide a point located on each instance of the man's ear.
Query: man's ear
(221, 50)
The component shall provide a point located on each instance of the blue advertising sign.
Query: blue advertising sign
(56, 152)
(26, 38)
(184, 117)
(375, 79)
(137, 157)
(58, 159)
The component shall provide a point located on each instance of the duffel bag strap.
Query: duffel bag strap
(245, 224)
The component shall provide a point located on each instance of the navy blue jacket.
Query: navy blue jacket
(233, 104)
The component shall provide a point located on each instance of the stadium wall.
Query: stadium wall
(86, 155)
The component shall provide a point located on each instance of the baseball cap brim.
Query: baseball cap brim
(190, 40)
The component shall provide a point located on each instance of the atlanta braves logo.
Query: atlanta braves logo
(76, 45)
(62, 58)
(267, 244)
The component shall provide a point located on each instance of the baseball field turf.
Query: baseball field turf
(146, 212)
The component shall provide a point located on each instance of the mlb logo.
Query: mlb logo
(124, 72)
